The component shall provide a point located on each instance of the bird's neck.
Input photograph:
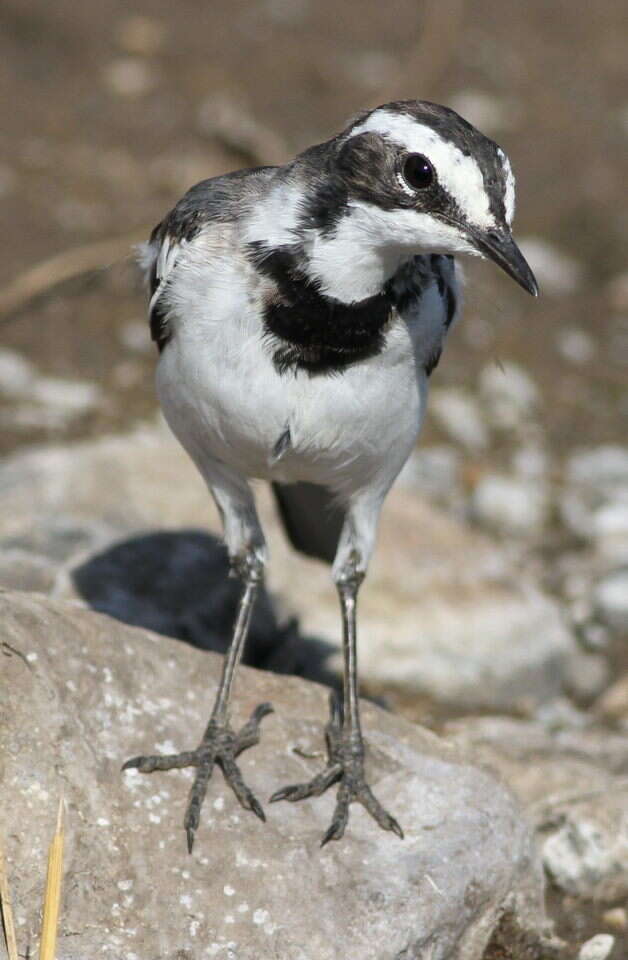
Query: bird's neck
(341, 259)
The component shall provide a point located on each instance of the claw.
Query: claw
(335, 832)
(190, 836)
(132, 764)
(256, 807)
(396, 828)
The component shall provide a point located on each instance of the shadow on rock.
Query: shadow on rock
(177, 584)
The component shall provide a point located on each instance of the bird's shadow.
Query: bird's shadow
(177, 584)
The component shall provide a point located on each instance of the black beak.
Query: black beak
(499, 246)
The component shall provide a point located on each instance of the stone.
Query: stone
(587, 855)
(82, 692)
(611, 600)
(616, 918)
(587, 675)
(130, 77)
(509, 395)
(558, 273)
(612, 705)
(17, 373)
(571, 781)
(576, 345)
(510, 505)
(444, 611)
(458, 413)
(598, 947)
(434, 472)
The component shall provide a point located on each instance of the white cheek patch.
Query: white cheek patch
(509, 194)
(369, 244)
(460, 175)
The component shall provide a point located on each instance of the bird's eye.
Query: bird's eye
(418, 172)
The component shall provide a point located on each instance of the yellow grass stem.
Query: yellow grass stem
(52, 898)
(7, 911)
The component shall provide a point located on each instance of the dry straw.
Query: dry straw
(7, 911)
(52, 897)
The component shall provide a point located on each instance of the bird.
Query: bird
(298, 311)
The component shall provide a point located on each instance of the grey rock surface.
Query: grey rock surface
(444, 611)
(82, 692)
(573, 783)
(598, 947)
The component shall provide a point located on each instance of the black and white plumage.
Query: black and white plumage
(299, 311)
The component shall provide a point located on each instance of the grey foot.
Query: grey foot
(219, 745)
(345, 764)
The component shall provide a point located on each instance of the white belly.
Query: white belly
(225, 401)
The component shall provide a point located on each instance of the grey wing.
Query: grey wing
(217, 200)
(311, 517)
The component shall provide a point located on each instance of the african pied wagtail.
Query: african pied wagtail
(299, 311)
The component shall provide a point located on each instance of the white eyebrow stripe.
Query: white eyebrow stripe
(460, 175)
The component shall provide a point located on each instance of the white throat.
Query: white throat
(369, 245)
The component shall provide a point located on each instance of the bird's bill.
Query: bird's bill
(500, 247)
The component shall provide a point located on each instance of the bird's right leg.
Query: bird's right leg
(220, 744)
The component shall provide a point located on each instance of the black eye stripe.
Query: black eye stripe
(418, 172)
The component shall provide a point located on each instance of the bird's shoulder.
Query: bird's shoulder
(212, 203)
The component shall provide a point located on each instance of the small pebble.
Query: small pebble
(617, 918)
(458, 413)
(557, 272)
(130, 77)
(597, 948)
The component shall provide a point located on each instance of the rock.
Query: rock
(434, 472)
(510, 505)
(611, 600)
(135, 336)
(612, 705)
(594, 505)
(586, 675)
(558, 274)
(597, 948)
(142, 36)
(575, 345)
(587, 855)
(83, 692)
(602, 468)
(572, 783)
(130, 77)
(617, 918)
(458, 413)
(54, 403)
(443, 611)
(509, 395)
(17, 374)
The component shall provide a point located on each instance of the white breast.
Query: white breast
(225, 400)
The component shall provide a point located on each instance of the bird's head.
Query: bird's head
(414, 177)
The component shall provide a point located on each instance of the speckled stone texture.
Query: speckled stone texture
(82, 692)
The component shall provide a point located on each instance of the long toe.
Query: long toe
(234, 778)
(174, 761)
(341, 816)
(314, 788)
(370, 802)
(249, 734)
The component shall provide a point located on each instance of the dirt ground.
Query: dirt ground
(111, 110)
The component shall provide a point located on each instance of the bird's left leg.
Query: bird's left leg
(345, 743)
(221, 744)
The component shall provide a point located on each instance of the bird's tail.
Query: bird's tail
(311, 517)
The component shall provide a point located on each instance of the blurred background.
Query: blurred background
(110, 111)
